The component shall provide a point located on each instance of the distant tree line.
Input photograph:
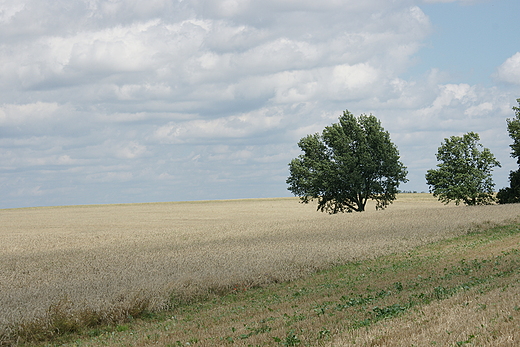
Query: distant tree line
(354, 161)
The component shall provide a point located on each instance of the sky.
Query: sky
(126, 101)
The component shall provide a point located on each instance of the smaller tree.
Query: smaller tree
(464, 171)
(511, 194)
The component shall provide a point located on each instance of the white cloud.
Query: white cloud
(479, 110)
(509, 71)
(242, 126)
(9, 10)
(453, 93)
(12, 114)
(130, 150)
(116, 49)
(230, 8)
(331, 83)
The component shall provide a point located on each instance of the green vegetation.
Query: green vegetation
(316, 309)
(464, 171)
(351, 162)
(511, 194)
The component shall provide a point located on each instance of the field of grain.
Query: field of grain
(107, 258)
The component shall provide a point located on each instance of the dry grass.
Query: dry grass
(105, 263)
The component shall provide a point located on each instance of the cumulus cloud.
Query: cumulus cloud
(509, 71)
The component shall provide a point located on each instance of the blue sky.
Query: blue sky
(470, 40)
(122, 101)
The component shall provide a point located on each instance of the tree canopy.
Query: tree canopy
(351, 162)
(464, 171)
(511, 194)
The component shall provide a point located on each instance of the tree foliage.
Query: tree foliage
(511, 194)
(464, 171)
(349, 163)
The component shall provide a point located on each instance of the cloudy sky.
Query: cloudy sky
(121, 101)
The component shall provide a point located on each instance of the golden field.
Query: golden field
(106, 258)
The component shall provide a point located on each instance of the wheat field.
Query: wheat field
(108, 257)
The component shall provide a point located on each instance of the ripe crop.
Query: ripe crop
(105, 263)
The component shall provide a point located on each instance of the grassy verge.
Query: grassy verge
(317, 309)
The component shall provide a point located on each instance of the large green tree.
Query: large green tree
(464, 171)
(511, 194)
(349, 163)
